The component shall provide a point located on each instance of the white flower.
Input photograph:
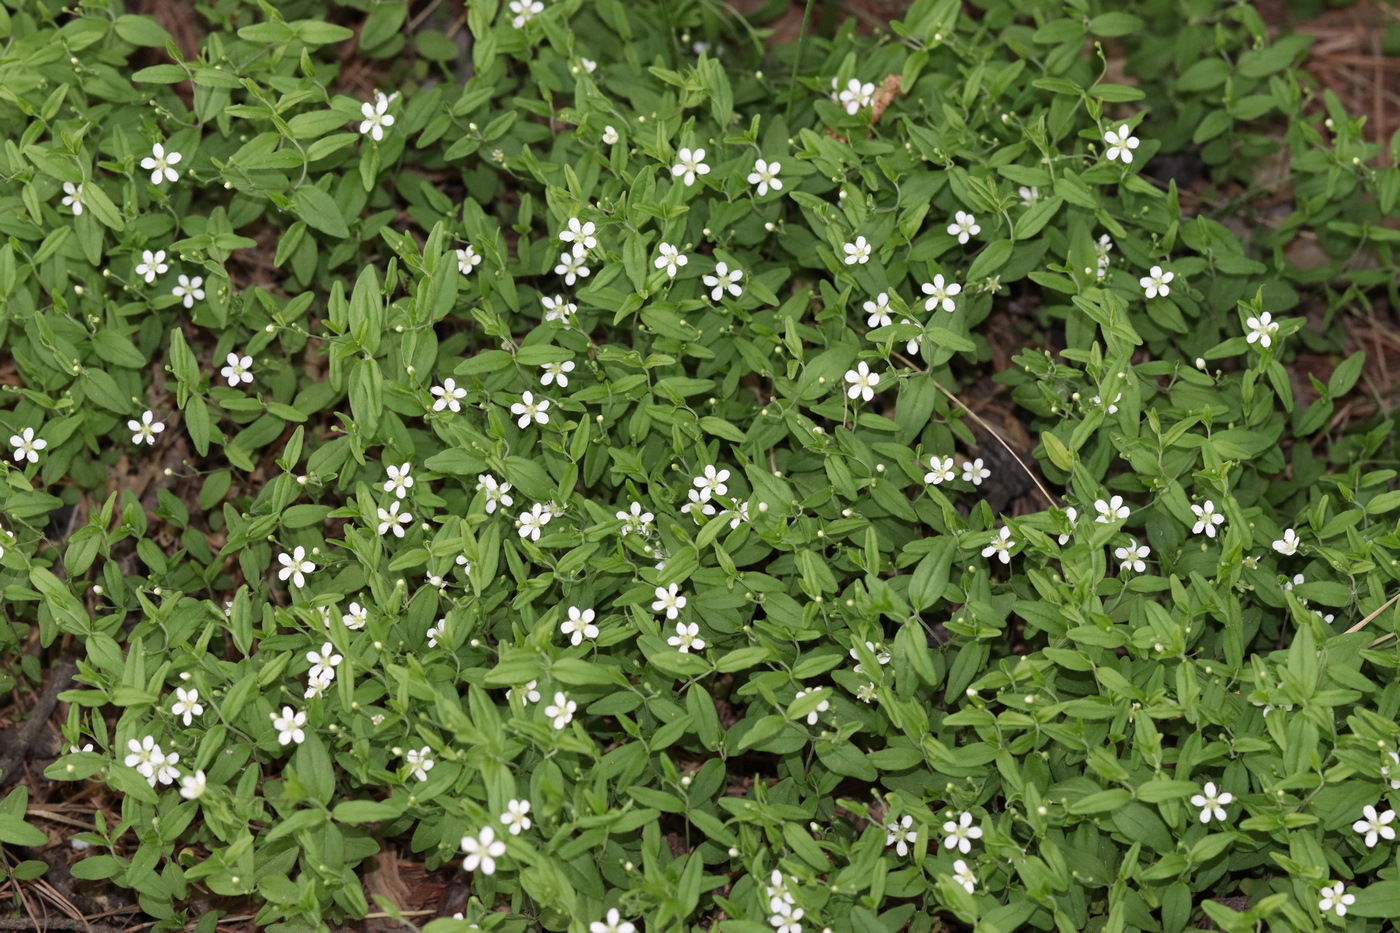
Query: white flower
(668, 601)
(579, 234)
(961, 833)
(449, 395)
(558, 310)
(73, 197)
(687, 638)
(1155, 282)
(785, 917)
(964, 225)
(963, 875)
(857, 252)
(1030, 195)
(1001, 546)
(822, 707)
(392, 520)
(187, 705)
(1375, 826)
(151, 264)
(723, 279)
(531, 523)
(741, 514)
(690, 164)
(1212, 803)
(1288, 544)
(940, 294)
(496, 493)
(1385, 771)
(635, 521)
(610, 135)
(940, 470)
(1071, 515)
(561, 711)
(356, 618)
(1112, 406)
(857, 95)
(524, 10)
(614, 924)
(1334, 900)
(1206, 519)
(27, 446)
(420, 761)
(193, 786)
(571, 267)
(579, 625)
(143, 756)
(145, 430)
(698, 500)
(1262, 329)
(1120, 144)
(189, 290)
(289, 726)
(1132, 556)
(238, 370)
(165, 770)
(866, 693)
(484, 848)
(530, 410)
(295, 566)
(324, 662)
(765, 176)
(1296, 581)
(400, 481)
(974, 471)
(516, 819)
(436, 631)
(879, 311)
(589, 65)
(711, 482)
(1112, 510)
(862, 382)
(528, 694)
(467, 259)
(882, 655)
(557, 373)
(158, 164)
(376, 117)
(670, 259)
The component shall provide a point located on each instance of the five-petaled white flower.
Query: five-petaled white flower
(484, 848)
(420, 761)
(1112, 408)
(1288, 544)
(400, 479)
(1262, 329)
(558, 310)
(964, 225)
(467, 259)
(940, 470)
(822, 706)
(496, 493)
(571, 267)
(711, 482)
(527, 693)
(668, 601)
(165, 770)
(289, 726)
(879, 311)
(376, 116)
(73, 197)
(974, 471)
(151, 264)
(295, 566)
(193, 786)
(529, 410)
(189, 290)
(670, 259)
(556, 372)
(690, 164)
(580, 235)
(562, 710)
(1154, 283)
(940, 294)
(449, 395)
(961, 833)
(159, 163)
(1206, 519)
(1001, 546)
(323, 662)
(187, 705)
(145, 430)
(516, 819)
(392, 520)
(524, 10)
(1132, 556)
(902, 835)
(1334, 899)
(1111, 510)
(863, 382)
(579, 625)
(145, 756)
(356, 618)
(964, 876)
(1030, 195)
(530, 524)
(857, 252)
(857, 95)
(1212, 802)
(612, 923)
(610, 135)
(635, 521)
(1375, 826)
(785, 917)
(687, 638)
(436, 631)
(27, 446)
(238, 370)
(765, 176)
(1121, 144)
(882, 655)
(724, 278)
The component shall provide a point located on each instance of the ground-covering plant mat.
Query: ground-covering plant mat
(664, 480)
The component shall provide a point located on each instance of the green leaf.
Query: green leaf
(16, 832)
(319, 210)
(142, 30)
